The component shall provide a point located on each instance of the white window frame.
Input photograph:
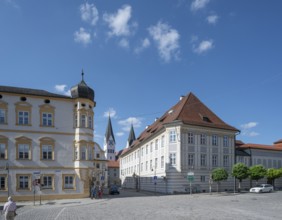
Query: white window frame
(203, 140)
(190, 138)
(47, 149)
(172, 136)
(172, 159)
(47, 119)
(24, 148)
(214, 140)
(203, 160)
(23, 117)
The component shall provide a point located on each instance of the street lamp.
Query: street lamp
(8, 182)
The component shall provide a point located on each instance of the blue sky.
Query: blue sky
(141, 56)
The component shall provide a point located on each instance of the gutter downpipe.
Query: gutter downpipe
(251, 163)
(234, 187)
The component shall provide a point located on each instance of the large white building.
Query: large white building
(189, 137)
(48, 138)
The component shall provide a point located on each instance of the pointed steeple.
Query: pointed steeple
(131, 137)
(109, 131)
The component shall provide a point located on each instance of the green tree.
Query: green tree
(218, 175)
(273, 174)
(257, 172)
(240, 171)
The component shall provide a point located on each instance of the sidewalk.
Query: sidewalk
(86, 201)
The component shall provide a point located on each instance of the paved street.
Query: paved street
(133, 205)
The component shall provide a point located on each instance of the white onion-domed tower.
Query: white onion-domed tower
(83, 109)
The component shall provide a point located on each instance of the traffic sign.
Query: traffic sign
(190, 176)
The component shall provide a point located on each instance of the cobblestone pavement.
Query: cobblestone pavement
(143, 205)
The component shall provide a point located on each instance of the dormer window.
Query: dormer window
(206, 119)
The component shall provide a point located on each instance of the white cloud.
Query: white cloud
(62, 89)
(166, 39)
(89, 13)
(82, 36)
(198, 4)
(13, 4)
(119, 134)
(212, 19)
(204, 46)
(249, 125)
(119, 22)
(126, 124)
(123, 43)
(111, 112)
(246, 129)
(253, 134)
(145, 43)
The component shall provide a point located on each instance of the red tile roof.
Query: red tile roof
(113, 164)
(278, 142)
(261, 147)
(189, 110)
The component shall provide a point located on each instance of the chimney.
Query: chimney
(181, 97)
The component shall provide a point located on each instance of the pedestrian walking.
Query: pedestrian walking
(93, 192)
(9, 209)
(100, 192)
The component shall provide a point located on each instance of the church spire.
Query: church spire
(131, 137)
(109, 131)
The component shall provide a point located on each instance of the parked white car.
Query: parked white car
(262, 188)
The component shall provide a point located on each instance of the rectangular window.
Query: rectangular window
(157, 144)
(76, 153)
(23, 182)
(90, 122)
(203, 179)
(47, 119)
(47, 182)
(83, 121)
(90, 150)
(203, 139)
(190, 138)
(68, 182)
(190, 159)
(23, 151)
(23, 118)
(2, 151)
(172, 159)
(146, 165)
(225, 160)
(47, 152)
(2, 182)
(151, 147)
(83, 152)
(156, 163)
(162, 161)
(172, 136)
(163, 141)
(2, 116)
(75, 121)
(203, 160)
(141, 167)
(146, 149)
(151, 164)
(225, 141)
(142, 152)
(214, 160)
(214, 140)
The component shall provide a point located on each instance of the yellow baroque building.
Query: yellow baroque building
(47, 144)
